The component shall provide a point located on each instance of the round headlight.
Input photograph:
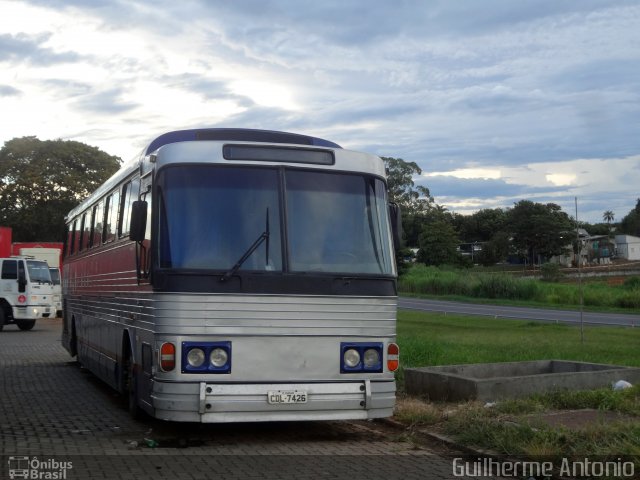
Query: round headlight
(218, 357)
(195, 357)
(371, 357)
(351, 358)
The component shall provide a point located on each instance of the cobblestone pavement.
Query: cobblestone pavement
(58, 421)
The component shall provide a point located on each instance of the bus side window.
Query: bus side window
(97, 225)
(92, 227)
(9, 270)
(75, 242)
(121, 224)
(130, 194)
(84, 233)
(111, 223)
(68, 244)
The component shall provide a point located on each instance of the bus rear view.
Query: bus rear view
(251, 277)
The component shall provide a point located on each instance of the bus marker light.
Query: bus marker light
(167, 357)
(393, 357)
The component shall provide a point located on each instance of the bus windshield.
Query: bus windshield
(38, 271)
(210, 216)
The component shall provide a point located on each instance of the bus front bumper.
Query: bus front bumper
(223, 403)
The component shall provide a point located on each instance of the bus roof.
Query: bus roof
(236, 134)
(199, 134)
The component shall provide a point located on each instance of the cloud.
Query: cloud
(544, 91)
(9, 91)
(27, 48)
(110, 101)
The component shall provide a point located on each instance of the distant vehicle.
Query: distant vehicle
(25, 291)
(49, 252)
(235, 275)
(57, 290)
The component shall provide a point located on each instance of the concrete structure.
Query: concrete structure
(495, 381)
(628, 247)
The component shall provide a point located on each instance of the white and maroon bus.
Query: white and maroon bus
(238, 275)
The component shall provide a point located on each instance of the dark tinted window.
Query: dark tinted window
(210, 217)
(9, 270)
(130, 194)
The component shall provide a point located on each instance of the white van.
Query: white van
(26, 291)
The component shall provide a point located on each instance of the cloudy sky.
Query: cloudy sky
(496, 100)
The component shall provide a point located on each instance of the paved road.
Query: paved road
(523, 313)
(52, 412)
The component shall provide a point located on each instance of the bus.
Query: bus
(238, 275)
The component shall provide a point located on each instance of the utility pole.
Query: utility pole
(580, 275)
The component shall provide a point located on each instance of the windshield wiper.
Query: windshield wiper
(264, 236)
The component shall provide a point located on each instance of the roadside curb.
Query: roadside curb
(448, 441)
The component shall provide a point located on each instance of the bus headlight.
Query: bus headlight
(218, 357)
(351, 358)
(206, 357)
(195, 357)
(361, 357)
(371, 358)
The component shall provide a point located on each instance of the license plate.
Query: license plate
(279, 397)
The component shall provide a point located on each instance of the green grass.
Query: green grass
(436, 339)
(503, 287)
(513, 435)
(427, 339)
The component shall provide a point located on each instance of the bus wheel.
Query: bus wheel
(73, 344)
(25, 324)
(2, 317)
(131, 390)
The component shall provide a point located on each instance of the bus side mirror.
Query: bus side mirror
(395, 216)
(138, 224)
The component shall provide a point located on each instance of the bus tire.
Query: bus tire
(3, 316)
(73, 344)
(131, 388)
(25, 324)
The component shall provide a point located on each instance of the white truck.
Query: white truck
(52, 257)
(26, 291)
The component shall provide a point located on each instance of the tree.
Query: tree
(41, 181)
(495, 250)
(402, 190)
(630, 224)
(482, 225)
(438, 239)
(608, 216)
(539, 229)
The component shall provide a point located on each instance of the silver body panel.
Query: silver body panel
(279, 342)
